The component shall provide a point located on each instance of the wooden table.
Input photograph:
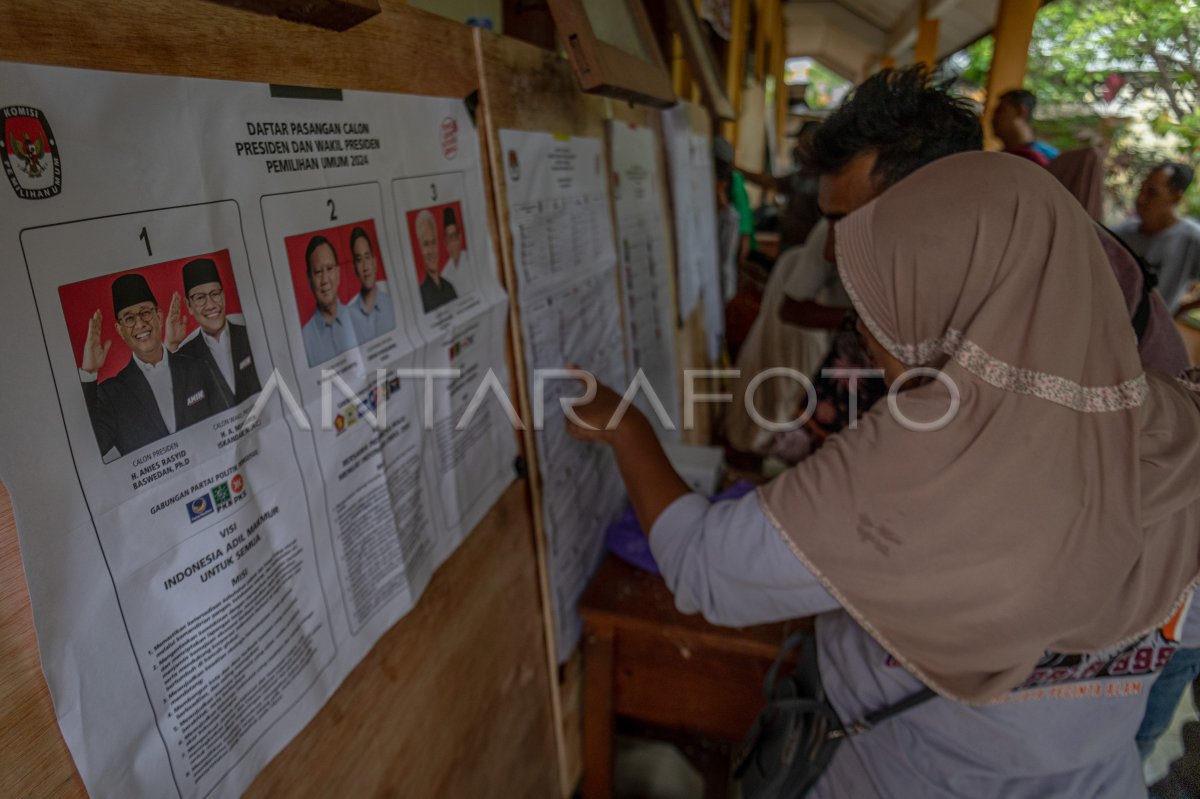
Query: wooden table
(646, 661)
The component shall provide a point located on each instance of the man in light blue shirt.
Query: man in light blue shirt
(371, 310)
(330, 331)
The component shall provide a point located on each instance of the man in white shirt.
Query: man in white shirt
(371, 309)
(156, 394)
(329, 332)
(219, 341)
(452, 230)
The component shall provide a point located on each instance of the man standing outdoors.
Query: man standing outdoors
(329, 332)
(436, 291)
(371, 309)
(1170, 244)
(1012, 122)
(156, 394)
(218, 341)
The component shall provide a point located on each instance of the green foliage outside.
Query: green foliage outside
(1126, 71)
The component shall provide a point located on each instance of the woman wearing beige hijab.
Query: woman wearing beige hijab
(1024, 543)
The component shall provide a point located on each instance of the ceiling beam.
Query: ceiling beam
(904, 34)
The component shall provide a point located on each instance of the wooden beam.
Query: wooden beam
(925, 51)
(762, 27)
(336, 15)
(1013, 32)
(681, 75)
(735, 67)
(779, 52)
(904, 33)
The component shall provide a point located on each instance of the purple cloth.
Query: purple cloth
(625, 538)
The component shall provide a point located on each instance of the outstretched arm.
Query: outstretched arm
(649, 476)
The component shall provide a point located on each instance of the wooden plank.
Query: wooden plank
(336, 15)
(735, 65)
(526, 88)
(408, 718)
(34, 761)
(625, 596)
(598, 720)
(678, 682)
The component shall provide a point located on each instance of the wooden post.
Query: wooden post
(925, 51)
(598, 722)
(735, 67)
(779, 52)
(1014, 30)
(681, 75)
(762, 27)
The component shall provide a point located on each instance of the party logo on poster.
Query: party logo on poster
(200, 507)
(449, 138)
(30, 153)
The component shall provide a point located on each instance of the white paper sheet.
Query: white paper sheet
(645, 282)
(199, 586)
(693, 195)
(567, 292)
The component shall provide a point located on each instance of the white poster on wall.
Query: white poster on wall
(230, 479)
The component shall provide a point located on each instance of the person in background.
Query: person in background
(735, 219)
(892, 124)
(799, 188)
(1012, 122)
(773, 342)
(1169, 243)
(1011, 559)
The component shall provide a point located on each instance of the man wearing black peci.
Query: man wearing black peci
(157, 393)
(219, 341)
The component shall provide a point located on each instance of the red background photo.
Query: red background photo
(339, 237)
(80, 300)
(436, 210)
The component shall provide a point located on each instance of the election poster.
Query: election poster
(244, 331)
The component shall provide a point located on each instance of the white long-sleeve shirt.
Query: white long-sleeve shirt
(1057, 736)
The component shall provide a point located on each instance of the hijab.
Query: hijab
(1059, 508)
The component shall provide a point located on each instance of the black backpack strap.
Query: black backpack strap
(871, 719)
(1141, 314)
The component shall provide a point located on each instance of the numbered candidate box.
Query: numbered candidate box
(152, 326)
(333, 269)
(442, 242)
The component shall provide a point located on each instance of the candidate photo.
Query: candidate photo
(219, 338)
(143, 375)
(341, 289)
(439, 249)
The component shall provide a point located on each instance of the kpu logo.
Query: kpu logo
(30, 153)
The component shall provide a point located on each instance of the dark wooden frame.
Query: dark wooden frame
(604, 68)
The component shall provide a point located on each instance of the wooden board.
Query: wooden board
(527, 88)
(456, 699)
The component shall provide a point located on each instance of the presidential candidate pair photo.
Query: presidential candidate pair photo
(174, 374)
(339, 312)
